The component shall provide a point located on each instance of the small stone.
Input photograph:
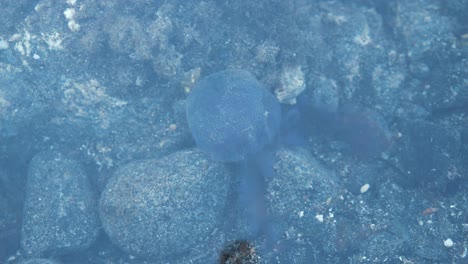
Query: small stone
(448, 243)
(364, 188)
(301, 214)
(69, 13)
(73, 26)
(292, 84)
(319, 217)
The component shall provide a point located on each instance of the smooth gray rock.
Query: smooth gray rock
(166, 208)
(231, 115)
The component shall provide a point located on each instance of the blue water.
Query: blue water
(233, 131)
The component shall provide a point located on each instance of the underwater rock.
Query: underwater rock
(60, 213)
(166, 208)
(231, 115)
(427, 154)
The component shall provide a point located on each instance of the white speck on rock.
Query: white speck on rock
(448, 243)
(73, 26)
(319, 217)
(292, 84)
(69, 13)
(54, 41)
(300, 214)
(364, 188)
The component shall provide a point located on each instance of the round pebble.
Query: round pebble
(165, 208)
(231, 115)
(448, 243)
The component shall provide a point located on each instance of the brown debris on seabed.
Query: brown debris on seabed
(239, 252)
